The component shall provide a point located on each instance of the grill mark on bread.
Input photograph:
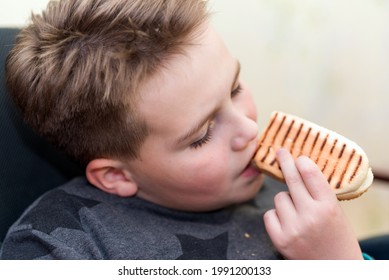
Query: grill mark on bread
(270, 126)
(341, 152)
(265, 136)
(356, 168)
(331, 151)
(333, 146)
(314, 143)
(322, 148)
(278, 129)
(267, 153)
(338, 185)
(283, 140)
(305, 140)
(336, 164)
(274, 137)
(324, 143)
(287, 133)
(297, 136)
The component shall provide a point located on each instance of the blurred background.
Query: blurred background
(326, 61)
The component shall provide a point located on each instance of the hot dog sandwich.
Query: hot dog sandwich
(342, 161)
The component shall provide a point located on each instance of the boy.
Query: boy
(146, 96)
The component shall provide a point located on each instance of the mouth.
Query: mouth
(251, 169)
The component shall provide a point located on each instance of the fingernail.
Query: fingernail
(281, 150)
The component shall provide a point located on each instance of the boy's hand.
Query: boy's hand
(308, 222)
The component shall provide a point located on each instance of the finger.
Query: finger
(292, 176)
(285, 208)
(272, 225)
(314, 180)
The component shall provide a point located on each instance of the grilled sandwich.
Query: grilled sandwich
(342, 161)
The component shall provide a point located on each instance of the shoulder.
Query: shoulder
(57, 207)
(55, 223)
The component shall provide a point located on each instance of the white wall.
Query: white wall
(15, 13)
(325, 60)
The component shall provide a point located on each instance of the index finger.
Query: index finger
(293, 179)
(314, 180)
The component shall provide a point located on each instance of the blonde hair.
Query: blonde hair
(76, 70)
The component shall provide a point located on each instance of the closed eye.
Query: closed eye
(205, 139)
(236, 91)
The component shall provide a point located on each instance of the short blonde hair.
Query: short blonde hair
(76, 70)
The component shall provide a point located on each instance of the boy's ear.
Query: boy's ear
(111, 176)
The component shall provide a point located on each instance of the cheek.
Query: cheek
(209, 171)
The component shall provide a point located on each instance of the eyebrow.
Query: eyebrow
(209, 116)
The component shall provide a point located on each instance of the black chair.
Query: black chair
(377, 247)
(29, 166)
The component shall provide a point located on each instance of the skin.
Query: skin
(203, 135)
(206, 170)
(308, 222)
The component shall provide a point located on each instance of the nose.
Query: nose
(246, 133)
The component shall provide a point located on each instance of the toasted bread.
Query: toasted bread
(342, 161)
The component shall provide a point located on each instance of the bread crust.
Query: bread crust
(342, 161)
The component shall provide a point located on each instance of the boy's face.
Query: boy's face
(203, 127)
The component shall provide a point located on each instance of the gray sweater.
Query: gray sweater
(78, 221)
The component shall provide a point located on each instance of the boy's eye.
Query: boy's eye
(205, 139)
(236, 91)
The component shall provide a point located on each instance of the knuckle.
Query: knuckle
(280, 197)
(310, 221)
(307, 167)
(290, 239)
(293, 180)
(331, 209)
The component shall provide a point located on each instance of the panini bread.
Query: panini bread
(342, 161)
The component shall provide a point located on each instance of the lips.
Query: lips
(251, 169)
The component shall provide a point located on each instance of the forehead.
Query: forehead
(189, 86)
